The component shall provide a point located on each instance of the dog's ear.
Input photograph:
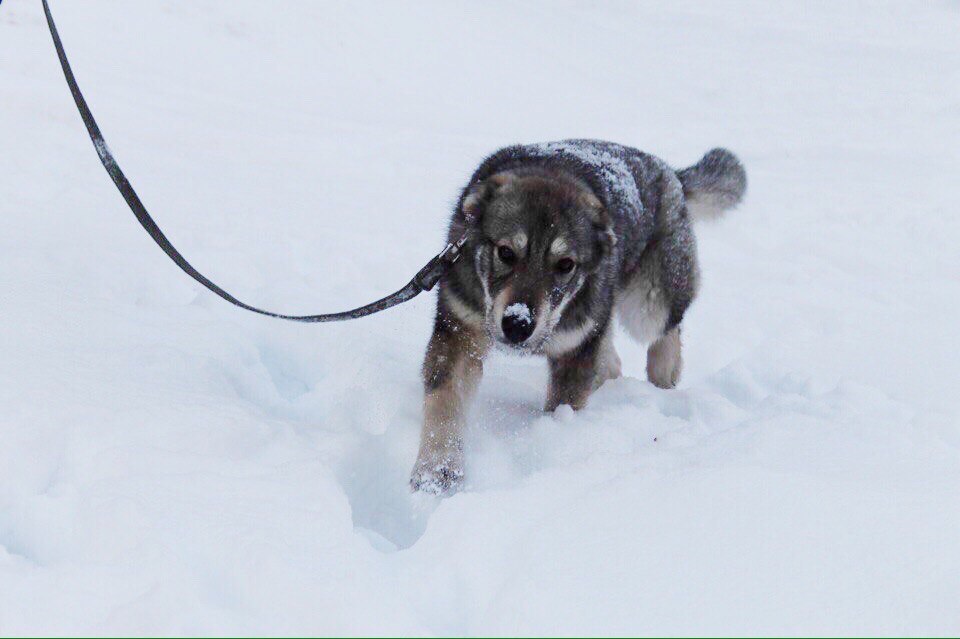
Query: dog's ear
(478, 195)
(596, 212)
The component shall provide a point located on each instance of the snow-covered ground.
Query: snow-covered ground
(170, 464)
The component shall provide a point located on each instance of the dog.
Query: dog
(562, 236)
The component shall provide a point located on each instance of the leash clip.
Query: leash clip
(452, 251)
(430, 274)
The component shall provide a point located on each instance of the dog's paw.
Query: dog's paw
(664, 360)
(665, 378)
(441, 477)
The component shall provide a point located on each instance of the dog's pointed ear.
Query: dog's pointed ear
(478, 195)
(600, 219)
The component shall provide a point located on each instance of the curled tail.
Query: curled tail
(714, 184)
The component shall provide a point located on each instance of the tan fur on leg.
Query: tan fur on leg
(664, 359)
(452, 371)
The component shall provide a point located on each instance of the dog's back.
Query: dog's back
(636, 188)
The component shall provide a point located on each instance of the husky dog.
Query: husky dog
(560, 237)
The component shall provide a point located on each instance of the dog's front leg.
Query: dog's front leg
(573, 376)
(451, 374)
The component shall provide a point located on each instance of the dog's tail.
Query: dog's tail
(714, 184)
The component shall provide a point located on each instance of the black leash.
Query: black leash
(424, 280)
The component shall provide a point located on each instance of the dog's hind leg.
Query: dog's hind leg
(664, 359)
(658, 293)
(451, 372)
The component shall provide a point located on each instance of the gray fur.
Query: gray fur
(714, 184)
(619, 219)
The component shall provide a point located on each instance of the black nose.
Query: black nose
(517, 326)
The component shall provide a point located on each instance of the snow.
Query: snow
(520, 311)
(174, 465)
(613, 168)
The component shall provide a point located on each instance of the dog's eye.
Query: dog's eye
(506, 255)
(564, 266)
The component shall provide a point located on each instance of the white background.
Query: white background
(170, 464)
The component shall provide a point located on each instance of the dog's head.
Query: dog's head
(541, 236)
